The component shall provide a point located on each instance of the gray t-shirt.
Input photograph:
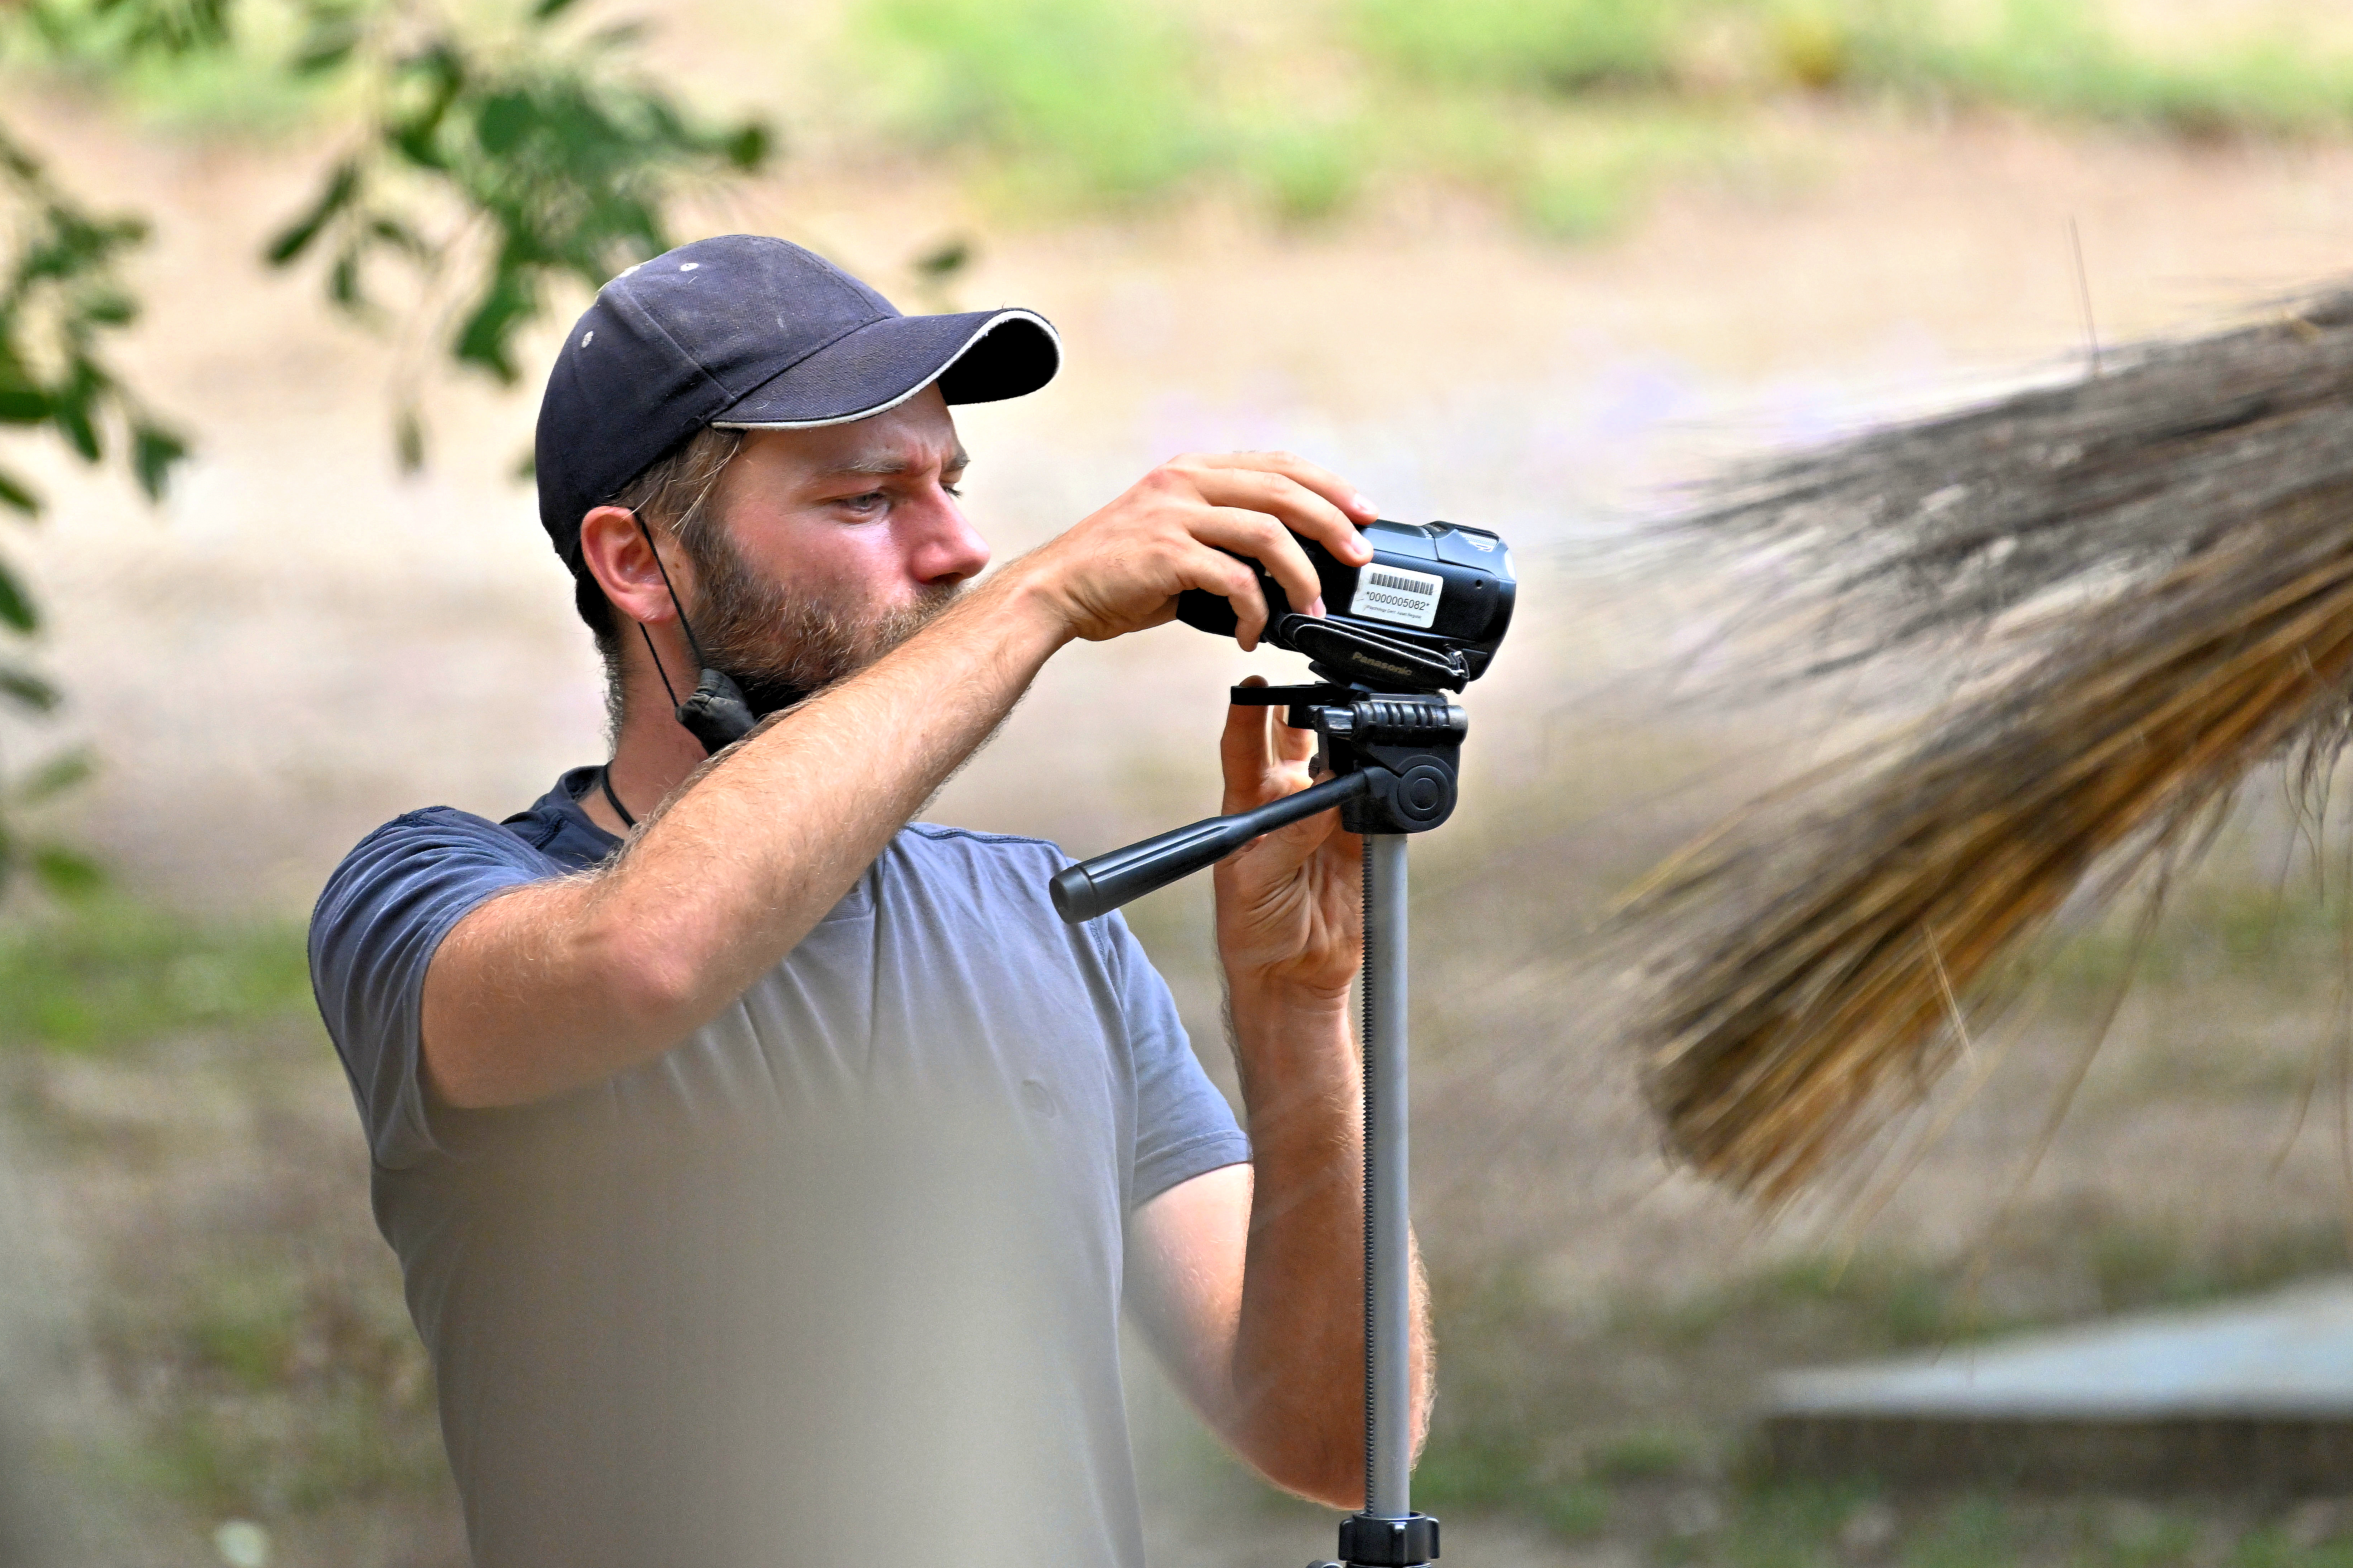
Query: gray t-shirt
(837, 1278)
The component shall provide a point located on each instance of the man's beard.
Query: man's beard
(779, 646)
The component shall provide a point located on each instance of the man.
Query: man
(769, 1174)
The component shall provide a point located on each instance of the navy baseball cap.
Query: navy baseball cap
(749, 332)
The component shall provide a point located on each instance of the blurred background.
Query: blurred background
(1526, 264)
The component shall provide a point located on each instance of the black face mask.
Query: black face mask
(715, 712)
(766, 694)
(721, 708)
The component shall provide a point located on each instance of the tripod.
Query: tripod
(1390, 761)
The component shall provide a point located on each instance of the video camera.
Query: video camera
(1425, 613)
(1423, 616)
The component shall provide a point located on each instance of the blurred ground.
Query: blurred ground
(302, 644)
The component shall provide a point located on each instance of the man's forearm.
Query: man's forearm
(1299, 1351)
(730, 875)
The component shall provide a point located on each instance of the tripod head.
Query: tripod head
(1424, 616)
(1389, 762)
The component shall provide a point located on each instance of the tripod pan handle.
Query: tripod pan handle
(1099, 886)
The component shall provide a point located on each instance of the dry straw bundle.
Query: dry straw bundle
(2148, 575)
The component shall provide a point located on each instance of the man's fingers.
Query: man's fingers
(1262, 759)
(1293, 748)
(1221, 574)
(1297, 506)
(1320, 479)
(1267, 542)
(1241, 754)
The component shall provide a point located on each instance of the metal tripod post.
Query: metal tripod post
(1391, 765)
(1388, 1262)
(1387, 1533)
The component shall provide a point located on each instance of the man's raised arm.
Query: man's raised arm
(558, 984)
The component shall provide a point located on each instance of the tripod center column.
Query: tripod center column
(1389, 1263)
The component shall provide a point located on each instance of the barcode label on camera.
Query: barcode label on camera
(1393, 594)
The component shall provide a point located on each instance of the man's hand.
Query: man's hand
(1291, 902)
(1121, 569)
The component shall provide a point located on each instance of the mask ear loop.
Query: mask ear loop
(715, 712)
(684, 625)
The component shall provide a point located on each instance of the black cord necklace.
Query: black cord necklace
(604, 782)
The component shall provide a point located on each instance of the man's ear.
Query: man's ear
(615, 550)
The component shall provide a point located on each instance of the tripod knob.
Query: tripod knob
(1424, 793)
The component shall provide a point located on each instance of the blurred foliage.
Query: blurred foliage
(494, 168)
(493, 156)
(1567, 108)
(61, 292)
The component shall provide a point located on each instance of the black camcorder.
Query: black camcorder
(1423, 616)
(1426, 614)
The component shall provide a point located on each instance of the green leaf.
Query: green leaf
(16, 610)
(548, 10)
(73, 421)
(489, 333)
(504, 121)
(296, 238)
(526, 468)
(23, 406)
(67, 873)
(325, 55)
(749, 147)
(443, 70)
(110, 310)
(154, 452)
(946, 259)
(400, 236)
(15, 495)
(409, 439)
(27, 691)
(56, 776)
(415, 142)
(330, 42)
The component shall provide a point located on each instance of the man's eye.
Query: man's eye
(866, 502)
(955, 490)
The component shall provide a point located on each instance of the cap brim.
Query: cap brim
(980, 356)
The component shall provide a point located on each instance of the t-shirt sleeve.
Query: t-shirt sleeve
(1184, 1127)
(376, 928)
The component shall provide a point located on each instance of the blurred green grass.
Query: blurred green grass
(107, 972)
(1566, 111)
(270, 1381)
(243, 1322)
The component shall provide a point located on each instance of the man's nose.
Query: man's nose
(947, 548)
